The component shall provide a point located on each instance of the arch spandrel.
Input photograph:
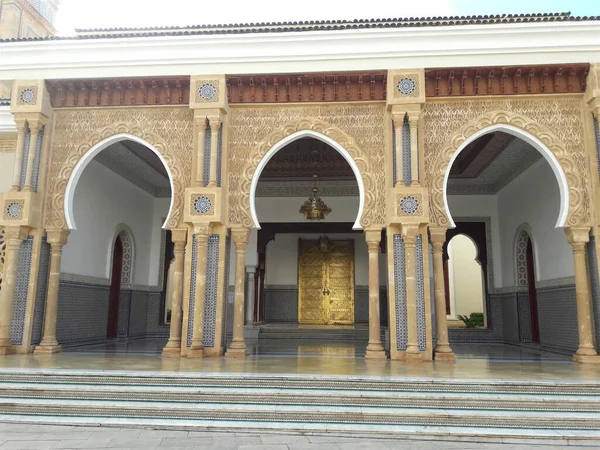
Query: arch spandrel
(171, 136)
(369, 164)
(570, 157)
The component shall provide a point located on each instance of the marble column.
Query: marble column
(442, 351)
(201, 131)
(578, 237)
(57, 239)
(21, 129)
(173, 347)
(215, 125)
(374, 348)
(197, 347)
(14, 237)
(250, 271)
(409, 235)
(238, 345)
(413, 122)
(398, 122)
(36, 127)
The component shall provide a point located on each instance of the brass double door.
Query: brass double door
(326, 283)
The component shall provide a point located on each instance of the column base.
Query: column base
(7, 350)
(587, 359)
(444, 356)
(195, 352)
(413, 357)
(171, 351)
(236, 351)
(375, 354)
(47, 349)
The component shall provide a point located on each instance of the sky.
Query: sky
(142, 13)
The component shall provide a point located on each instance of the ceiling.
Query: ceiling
(489, 163)
(137, 164)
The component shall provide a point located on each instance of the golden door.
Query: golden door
(326, 283)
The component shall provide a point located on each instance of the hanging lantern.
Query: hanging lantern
(314, 208)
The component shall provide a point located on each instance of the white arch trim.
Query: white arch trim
(563, 186)
(85, 160)
(119, 230)
(294, 137)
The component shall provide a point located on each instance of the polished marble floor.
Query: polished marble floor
(334, 359)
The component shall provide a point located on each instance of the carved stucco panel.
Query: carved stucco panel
(169, 130)
(557, 123)
(360, 129)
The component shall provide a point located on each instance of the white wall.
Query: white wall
(534, 198)
(7, 164)
(466, 277)
(103, 200)
(286, 209)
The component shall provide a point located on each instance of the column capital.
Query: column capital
(19, 232)
(179, 236)
(214, 121)
(437, 236)
(251, 269)
(57, 237)
(20, 122)
(413, 118)
(578, 235)
(201, 229)
(240, 237)
(36, 123)
(409, 234)
(398, 118)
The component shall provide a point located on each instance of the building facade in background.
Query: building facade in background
(152, 179)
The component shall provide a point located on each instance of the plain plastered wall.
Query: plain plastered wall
(7, 164)
(102, 201)
(467, 294)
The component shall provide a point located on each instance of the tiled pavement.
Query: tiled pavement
(40, 437)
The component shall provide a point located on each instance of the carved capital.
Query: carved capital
(240, 237)
(57, 237)
(578, 236)
(214, 121)
(413, 118)
(398, 119)
(409, 234)
(16, 234)
(201, 230)
(373, 238)
(437, 237)
(36, 124)
(179, 236)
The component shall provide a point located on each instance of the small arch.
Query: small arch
(126, 234)
(561, 179)
(89, 156)
(288, 140)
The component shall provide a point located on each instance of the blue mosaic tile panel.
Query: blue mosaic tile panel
(226, 288)
(594, 285)
(494, 334)
(597, 132)
(154, 327)
(139, 314)
(206, 168)
(82, 313)
(393, 153)
(40, 293)
(210, 293)
(557, 312)
(400, 294)
(219, 155)
(190, 330)
(21, 291)
(25, 156)
(524, 312)
(510, 318)
(406, 156)
(421, 322)
(123, 317)
(38, 160)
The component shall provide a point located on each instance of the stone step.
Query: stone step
(320, 334)
(276, 396)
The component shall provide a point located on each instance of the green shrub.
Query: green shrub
(474, 320)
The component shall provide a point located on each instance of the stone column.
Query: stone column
(215, 124)
(238, 344)
(250, 271)
(201, 124)
(197, 347)
(21, 127)
(173, 347)
(399, 127)
(442, 351)
(36, 127)
(409, 235)
(578, 237)
(374, 348)
(413, 122)
(57, 239)
(14, 236)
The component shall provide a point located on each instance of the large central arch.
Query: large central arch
(294, 137)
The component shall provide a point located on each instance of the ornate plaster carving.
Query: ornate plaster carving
(557, 123)
(2, 254)
(169, 130)
(359, 129)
